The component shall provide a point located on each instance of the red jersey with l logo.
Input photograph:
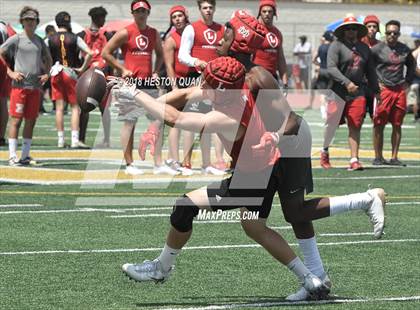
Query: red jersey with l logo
(138, 50)
(206, 39)
(181, 70)
(268, 55)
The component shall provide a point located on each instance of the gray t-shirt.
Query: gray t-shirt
(28, 55)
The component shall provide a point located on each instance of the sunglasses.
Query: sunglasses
(395, 33)
(350, 29)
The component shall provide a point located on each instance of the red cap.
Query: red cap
(371, 19)
(141, 4)
(271, 3)
(249, 33)
(224, 73)
(177, 8)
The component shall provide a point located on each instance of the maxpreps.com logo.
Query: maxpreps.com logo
(272, 39)
(210, 36)
(142, 42)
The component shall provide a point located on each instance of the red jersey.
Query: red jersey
(369, 42)
(138, 50)
(181, 70)
(244, 158)
(206, 39)
(268, 55)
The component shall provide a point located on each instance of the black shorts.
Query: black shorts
(228, 194)
(288, 177)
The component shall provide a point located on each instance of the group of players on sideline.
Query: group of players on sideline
(357, 74)
(235, 63)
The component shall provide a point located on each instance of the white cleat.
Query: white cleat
(212, 170)
(147, 271)
(303, 294)
(375, 211)
(164, 169)
(133, 170)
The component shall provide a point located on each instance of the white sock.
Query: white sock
(60, 136)
(311, 256)
(341, 204)
(74, 137)
(354, 160)
(13, 143)
(168, 256)
(26, 147)
(298, 268)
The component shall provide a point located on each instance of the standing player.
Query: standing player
(198, 46)
(96, 38)
(5, 32)
(303, 51)
(372, 24)
(349, 64)
(64, 47)
(138, 41)
(391, 57)
(270, 55)
(177, 72)
(32, 63)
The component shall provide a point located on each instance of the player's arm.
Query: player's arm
(118, 40)
(282, 66)
(184, 55)
(169, 57)
(81, 44)
(213, 121)
(11, 43)
(46, 60)
(411, 65)
(332, 65)
(178, 98)
(159, 55)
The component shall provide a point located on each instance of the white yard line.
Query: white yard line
(35, 205)
(345, 234)
(204, 247)
(288, 303)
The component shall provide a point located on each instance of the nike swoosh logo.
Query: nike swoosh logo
(294, 191)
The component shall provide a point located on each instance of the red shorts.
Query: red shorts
(63, 87)
(24, 103)
(354, 111)
(393, 107)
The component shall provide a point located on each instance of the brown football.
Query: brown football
(90, 89)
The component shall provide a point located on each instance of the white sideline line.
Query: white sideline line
(346, 234)
(85, 210)
(294, 303)
(35, 205)
(414, 176)
(140, 215)
(204, 247)
(403, 203)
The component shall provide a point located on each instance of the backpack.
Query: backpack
(96, 42)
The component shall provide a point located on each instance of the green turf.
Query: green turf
(207, 276)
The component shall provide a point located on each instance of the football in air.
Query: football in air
(90, 89)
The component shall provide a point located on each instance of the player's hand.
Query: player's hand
(200, 65)
(126, 73)
(378, 99)
(352, 88)
(43, 78)
(16, 76)
(267, 141)
(150, 137)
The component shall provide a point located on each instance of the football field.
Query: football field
(68, 224)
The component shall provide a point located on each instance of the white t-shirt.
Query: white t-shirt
(303, 60)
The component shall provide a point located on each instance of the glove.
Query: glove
(267, 141)
(150, 137)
